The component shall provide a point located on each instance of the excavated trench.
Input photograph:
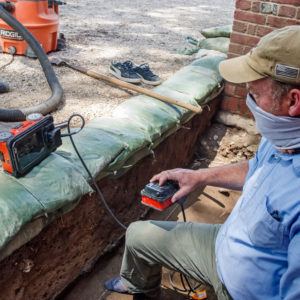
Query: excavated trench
(71, 244)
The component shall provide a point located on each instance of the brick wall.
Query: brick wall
(252, 20)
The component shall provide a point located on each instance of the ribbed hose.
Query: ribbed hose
(13, 115)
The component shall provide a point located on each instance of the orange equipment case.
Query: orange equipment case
(40, 17)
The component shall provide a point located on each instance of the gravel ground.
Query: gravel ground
(98, 32)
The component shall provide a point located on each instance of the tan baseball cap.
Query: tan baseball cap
(277, 55)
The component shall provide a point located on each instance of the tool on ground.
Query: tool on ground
(159, 196)
(63, 62)
(39, 17)
(28, 143)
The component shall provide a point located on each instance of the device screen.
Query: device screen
(29, 149)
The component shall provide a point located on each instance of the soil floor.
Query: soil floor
(220, 145)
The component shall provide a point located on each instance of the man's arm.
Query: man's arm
(230, 176)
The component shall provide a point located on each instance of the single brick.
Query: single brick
(241, 92)
(243, 4)
(244, 39)
(239, 49)
(236, 90)
(275, 9)
(239, 26)
(280, 22)
(236, 48)
(268, 8)
(230, 104)
(287, 11)
(232, 55)
(244, 110)
(249, 17)
(292, 2)
(298, 13)
(263, 30)
(251, 29)
(255, 6)
(229, 89)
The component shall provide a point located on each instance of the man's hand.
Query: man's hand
(186, 179)
(230, 176)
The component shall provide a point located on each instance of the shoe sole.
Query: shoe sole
(117, 74)
(149, 82)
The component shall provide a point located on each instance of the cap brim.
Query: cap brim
(237, 70)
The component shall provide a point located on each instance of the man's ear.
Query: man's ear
(294, 104)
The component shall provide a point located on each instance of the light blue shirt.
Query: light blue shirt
(258, 247)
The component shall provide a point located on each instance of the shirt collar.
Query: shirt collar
(285, 156)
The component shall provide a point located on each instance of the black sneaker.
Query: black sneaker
(124, 71)
(146, 74)
(4, 88)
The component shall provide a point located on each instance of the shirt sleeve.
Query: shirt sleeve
(290, 281)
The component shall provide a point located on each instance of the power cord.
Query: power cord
(70, 135)
(183, 278)
(191, 288)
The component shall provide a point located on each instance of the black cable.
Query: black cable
(177, 289)
(183, 277)
(70, 134)
(182, 210)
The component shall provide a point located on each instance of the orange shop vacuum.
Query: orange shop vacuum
(40, 17)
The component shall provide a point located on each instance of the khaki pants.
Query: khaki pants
(188, 248)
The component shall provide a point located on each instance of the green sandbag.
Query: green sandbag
(107, 145)
(150, 114)
(96, 147)
(134, 138)
(55, 182)
(219, 44)
(51, 185)
(195, 81)
(209, 62)
(17, 207)
(219, 31)
(183, 113)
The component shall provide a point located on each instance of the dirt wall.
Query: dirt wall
(70, 245)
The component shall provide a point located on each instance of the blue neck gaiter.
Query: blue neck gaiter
(281, 131)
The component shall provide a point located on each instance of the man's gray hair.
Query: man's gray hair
(280, 89)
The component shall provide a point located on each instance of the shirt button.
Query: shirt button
(276, 156)
(256, 184)
(223, 233)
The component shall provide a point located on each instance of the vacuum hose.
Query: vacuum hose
(13, 115)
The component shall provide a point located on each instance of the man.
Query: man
(255, 254)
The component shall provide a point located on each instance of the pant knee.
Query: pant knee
(135, 233)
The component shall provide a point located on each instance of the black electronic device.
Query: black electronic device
(27, 144)
(159, 196)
